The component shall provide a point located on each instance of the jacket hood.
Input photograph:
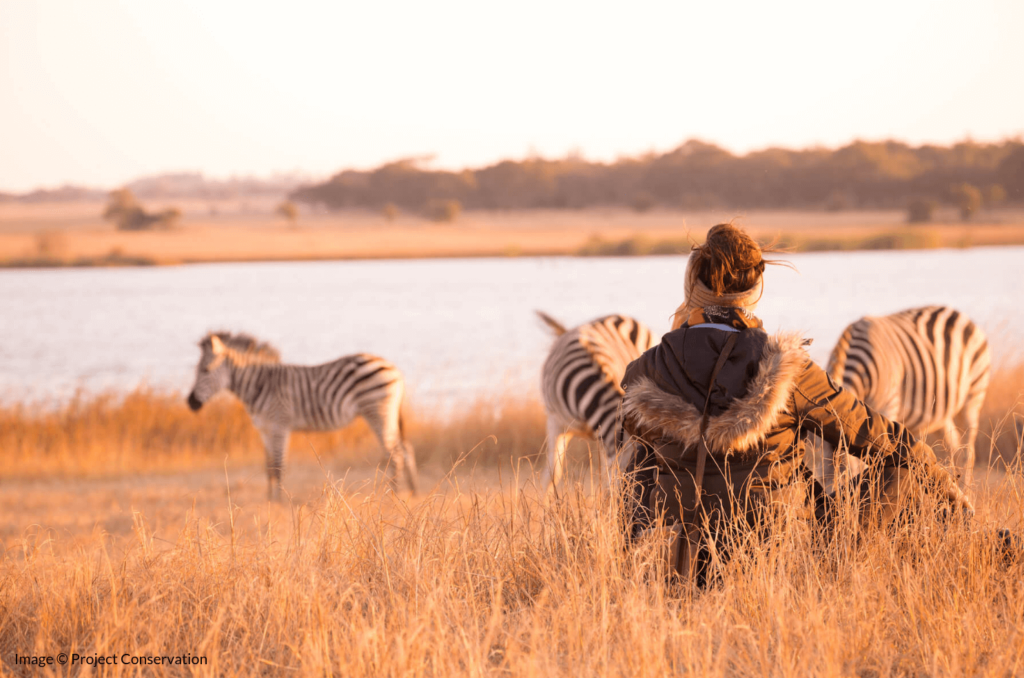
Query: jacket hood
(744, 424)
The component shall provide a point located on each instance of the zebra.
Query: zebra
(284, 398)
(926, 367)
(581, 386)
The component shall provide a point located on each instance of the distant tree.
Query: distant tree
(288, 211)
(122, 209)
(695, 175)
(1011, 173)
(443, 210)
(968, 199)
(390, 211)
(995, 195)
(169, 218)
(643, 202)
(128, 215)
(920, 211)
(837, 201)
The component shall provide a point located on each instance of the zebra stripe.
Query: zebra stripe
(284, 398)
(926, 367)
(581, 385)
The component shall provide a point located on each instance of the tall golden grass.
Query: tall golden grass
(498, 584)
(147, 430)
(358, 582)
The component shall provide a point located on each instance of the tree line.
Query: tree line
(696, 175)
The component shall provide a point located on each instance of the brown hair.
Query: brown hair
(728, 264)
(729, 261)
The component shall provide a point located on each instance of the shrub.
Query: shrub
(837, 202)
(390, 211)
(128, 215)
(995, 195)
(920, 211)
(288, 211)
(968, 199)
(443, 210)
(643, 202)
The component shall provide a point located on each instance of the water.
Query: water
(458, 328)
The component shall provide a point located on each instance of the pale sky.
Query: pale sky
(100, 92)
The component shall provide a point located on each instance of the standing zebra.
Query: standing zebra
(581, 387)
(925, 367)
(285, 398)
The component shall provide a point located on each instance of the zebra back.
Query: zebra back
(919, 366)
(321, 397)
(581, 378)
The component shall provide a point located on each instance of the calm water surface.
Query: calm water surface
(458, 328)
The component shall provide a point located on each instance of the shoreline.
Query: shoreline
(634, 246)
(48, 236)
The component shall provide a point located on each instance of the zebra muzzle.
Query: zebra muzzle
(193, 402)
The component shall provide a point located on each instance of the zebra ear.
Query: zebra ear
(216, 345)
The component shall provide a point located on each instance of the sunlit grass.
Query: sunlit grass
(349, 579)
(146, 430)
(497, 583)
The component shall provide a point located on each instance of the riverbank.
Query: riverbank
(45, 235)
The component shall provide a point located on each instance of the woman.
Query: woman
(717, 412)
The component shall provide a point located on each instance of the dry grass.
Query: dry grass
(126, 533)
(49, 234)
(469, 583)
(147, 431)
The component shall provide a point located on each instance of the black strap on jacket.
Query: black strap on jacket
(702, 450)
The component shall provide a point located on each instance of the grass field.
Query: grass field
(61, 234)
(134, 526)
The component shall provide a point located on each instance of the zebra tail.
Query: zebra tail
(555, 326)
(837, 360)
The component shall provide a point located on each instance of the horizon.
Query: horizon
(103, 94)
(428, 163)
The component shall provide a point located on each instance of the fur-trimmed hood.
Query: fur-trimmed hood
(744, 424)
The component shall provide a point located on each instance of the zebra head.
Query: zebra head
(213, 374)
(223, 354)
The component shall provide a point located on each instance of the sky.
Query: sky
(101, 92)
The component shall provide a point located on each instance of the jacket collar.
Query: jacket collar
(744, 425)
(736, 317)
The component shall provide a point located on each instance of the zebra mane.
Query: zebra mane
(244, 348)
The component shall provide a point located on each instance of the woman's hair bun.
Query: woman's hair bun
(729, 261)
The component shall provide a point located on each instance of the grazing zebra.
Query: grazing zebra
(925, 367)
(285, 398)
(581, 387)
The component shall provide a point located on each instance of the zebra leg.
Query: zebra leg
(951, 439)
(397, 452)
(275, 445)
(616, 458)
(411, 474)
(612, 471)
(967, 421)
(558, 440)
(407, 452)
